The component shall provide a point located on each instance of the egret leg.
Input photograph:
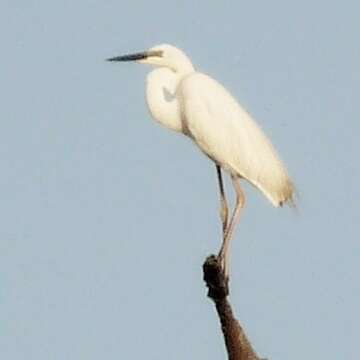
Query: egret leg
(224, 210)
(240, 202)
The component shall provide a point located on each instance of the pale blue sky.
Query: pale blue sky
(106, 217)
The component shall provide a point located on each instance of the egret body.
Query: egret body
(194, 104)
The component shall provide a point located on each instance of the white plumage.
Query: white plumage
(196, 105)
(228, 135)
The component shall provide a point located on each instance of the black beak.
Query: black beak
(137, 56)
(130, 57)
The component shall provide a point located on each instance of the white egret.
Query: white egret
(197, 106)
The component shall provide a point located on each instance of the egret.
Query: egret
(192, 103)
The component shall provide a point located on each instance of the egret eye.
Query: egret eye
(158, 53)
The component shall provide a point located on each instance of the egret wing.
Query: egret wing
(228, 135)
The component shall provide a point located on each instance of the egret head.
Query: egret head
(161, 56)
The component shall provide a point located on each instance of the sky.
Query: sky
(106, 218)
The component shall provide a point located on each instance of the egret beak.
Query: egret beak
(137, 56)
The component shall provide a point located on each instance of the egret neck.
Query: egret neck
(172, 65)
(161, 91)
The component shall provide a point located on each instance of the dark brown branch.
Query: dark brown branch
(237, 345)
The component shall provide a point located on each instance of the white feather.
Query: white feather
(194, 104)
(227, 134)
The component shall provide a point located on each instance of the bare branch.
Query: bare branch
(237, 345)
